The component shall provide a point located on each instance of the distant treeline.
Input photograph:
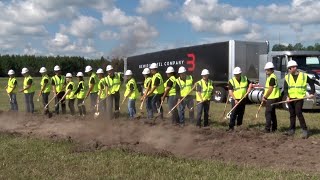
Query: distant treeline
(296, 47)
(71, 64)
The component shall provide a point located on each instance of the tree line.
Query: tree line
(71, 64)
(296, 47)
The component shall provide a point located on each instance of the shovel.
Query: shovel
(229, 113)
(179, 102)
(65, 94)
(46, 106)
(125, 98)
(281, 102)
(257, 114)
(225, 106)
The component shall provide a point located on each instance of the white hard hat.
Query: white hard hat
(43, 70)
(88, 69)
(24, 70)
(153, 66)
(182, 70)
(109, 67)
(237, 70)
(205, 72)
(170, 69)
(69, 75)
(292, 63)
(56, 68)
(128, 73)
(11, 72)
(146, 71)
(100, 71)
(269, 65)
(79, 74)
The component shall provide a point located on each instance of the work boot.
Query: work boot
(305, 134)
(290, 132)
(231, 129)
(266, 131)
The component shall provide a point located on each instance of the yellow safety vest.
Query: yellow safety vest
(96, 81)
(206, 90)
(25, 81)
(71, 94)
(275, 94)
(11, 85)
(59, 83)
(47, 89)
(239, 89)
(297, 89)
(81, 94)
(160, 88)
(101, 88)
(135, 92)
(172, 91)
(185, 86)
(146, 84)
(113, 84)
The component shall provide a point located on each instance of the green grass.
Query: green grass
(28, 158)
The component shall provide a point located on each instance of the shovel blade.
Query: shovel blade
(96, 115)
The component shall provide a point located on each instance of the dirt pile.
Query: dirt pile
(244, 146)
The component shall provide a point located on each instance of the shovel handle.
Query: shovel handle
(229, 113)
(45, 107)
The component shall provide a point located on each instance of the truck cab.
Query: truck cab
(308, 62)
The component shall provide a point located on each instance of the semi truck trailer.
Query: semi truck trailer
(222, 57)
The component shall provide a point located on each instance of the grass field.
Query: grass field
(24, 158)
(29, 158)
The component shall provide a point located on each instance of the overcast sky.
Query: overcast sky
(92, 28)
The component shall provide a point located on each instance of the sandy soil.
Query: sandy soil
(244, 146)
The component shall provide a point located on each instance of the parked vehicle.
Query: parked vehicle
(222, 57)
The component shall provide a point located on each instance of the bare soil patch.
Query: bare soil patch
(244, 146)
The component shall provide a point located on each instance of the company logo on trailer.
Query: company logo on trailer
(189, 63)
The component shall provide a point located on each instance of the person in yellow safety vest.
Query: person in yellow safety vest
(114, 81)
(102, 94)
(295, 87)
(93, 87)
(157, 89)
(171, 91)
(70, 90)
(80, 93)
(58, 83)
(238, 86)
(271, 95)
(45, 89)
(28, 90)
(131, 93)
(204, 92)
(185, 84)
(146, 89)
(11, 89)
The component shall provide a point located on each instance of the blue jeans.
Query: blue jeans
(149, 106)
(132, 107)
(13, 102)
(155, 103)
(29, 102)
(93, 101)
(172, 101)
(188, 101)
(205, 106)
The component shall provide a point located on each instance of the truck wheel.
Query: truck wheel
(285, 106)
(220, 95)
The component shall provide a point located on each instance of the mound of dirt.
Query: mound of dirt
(244, 146)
